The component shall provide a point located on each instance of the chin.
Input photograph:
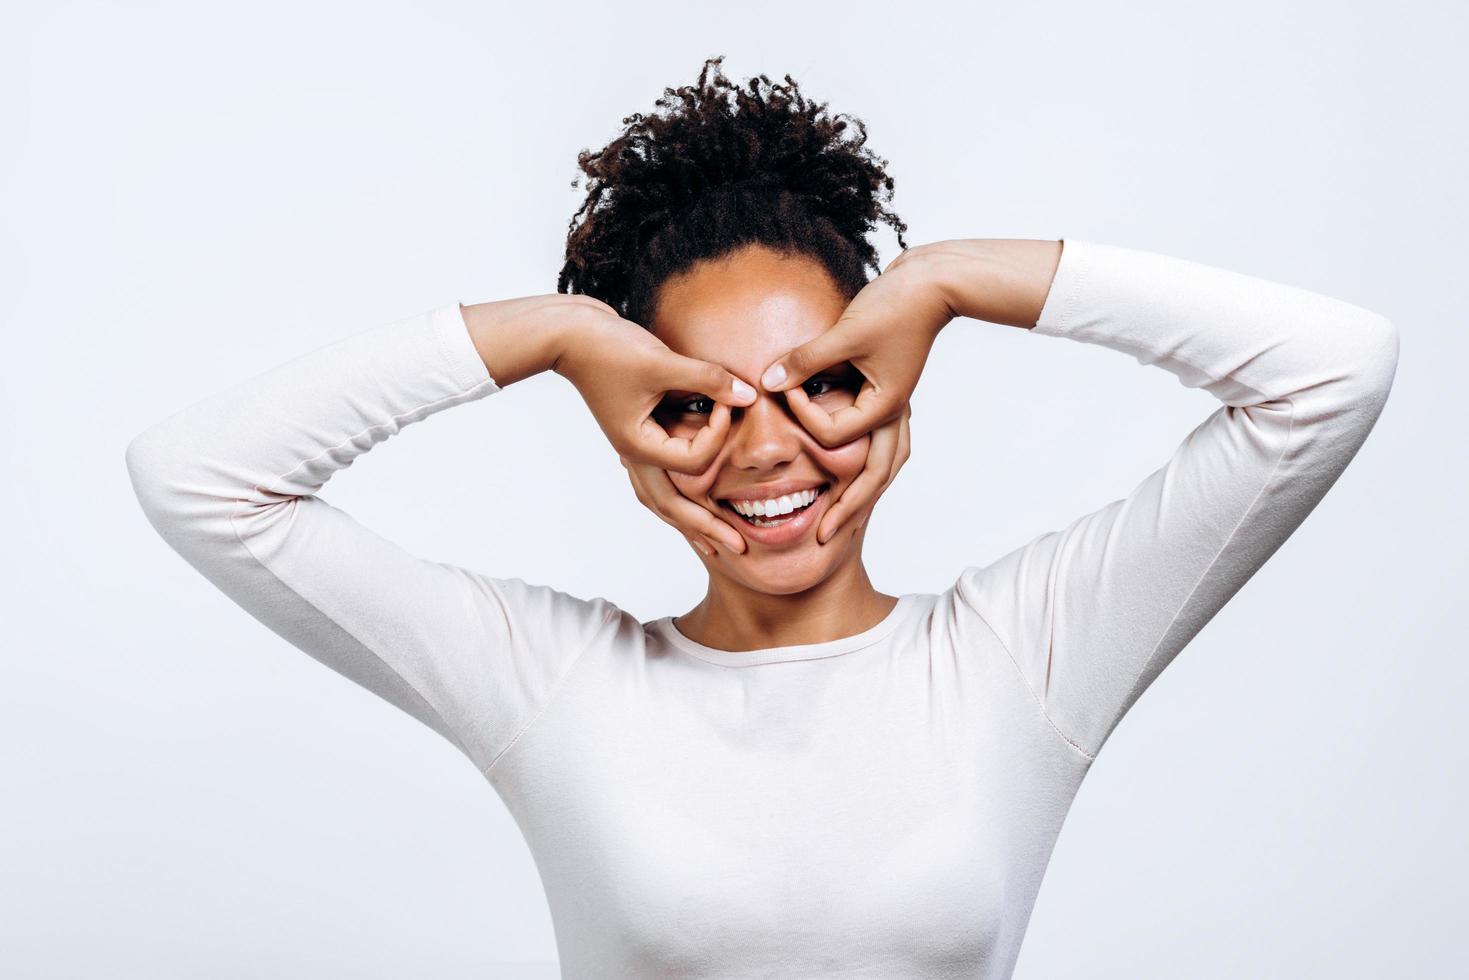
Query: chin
(782, 573)
(779, 581)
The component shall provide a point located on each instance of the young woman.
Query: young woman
(801, 776)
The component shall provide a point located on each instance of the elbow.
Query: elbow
(151, 460)
(1359, 349)
(1378, 358)
(144, 457)
(1369, 355)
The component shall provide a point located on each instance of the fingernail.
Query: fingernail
(742, 390)
(774, 376)
(703, 547)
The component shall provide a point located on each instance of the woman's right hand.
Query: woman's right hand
(624, 374)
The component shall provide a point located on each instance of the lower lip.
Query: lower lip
(781, 533)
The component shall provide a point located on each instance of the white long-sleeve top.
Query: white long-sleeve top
(881, 805)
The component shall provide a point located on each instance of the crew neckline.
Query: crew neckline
(794, 651)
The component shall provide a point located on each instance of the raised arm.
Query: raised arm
(1093, 612)
(231, 484)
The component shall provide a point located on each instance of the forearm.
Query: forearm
(286, 431)
(999, 280)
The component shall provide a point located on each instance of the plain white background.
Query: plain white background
(195, 193)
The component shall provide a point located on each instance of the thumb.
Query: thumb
(799, 363)
(708, 378)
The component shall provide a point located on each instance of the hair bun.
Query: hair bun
(716, 165)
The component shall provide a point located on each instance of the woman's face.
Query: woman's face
(742, 311)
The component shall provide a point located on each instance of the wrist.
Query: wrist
(999, 280)
(518, 338)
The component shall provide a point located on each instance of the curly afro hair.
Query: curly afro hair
(711, 175)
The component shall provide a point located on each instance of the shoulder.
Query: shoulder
(535, 614)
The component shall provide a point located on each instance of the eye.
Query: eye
(697, 405)
(811, 383)
(825, 384)
(702, 405)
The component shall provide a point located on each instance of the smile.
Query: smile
(777, 510)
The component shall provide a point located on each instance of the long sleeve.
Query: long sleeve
(231, 484)
(1092, 613)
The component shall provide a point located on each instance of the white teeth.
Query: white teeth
(775, 506)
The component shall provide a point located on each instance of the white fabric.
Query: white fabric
(881, 805)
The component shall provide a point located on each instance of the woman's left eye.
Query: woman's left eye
(830, 383)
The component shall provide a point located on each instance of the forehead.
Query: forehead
(744, 310)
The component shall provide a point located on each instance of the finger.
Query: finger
(870, 409)
(904, 451)
(669, 503)
(637, 487)
(647, 498)
(706, 378)
(881, 452)
(710, 439)
(870, 483)
(687, 515)
(704, 545)
(905, 442)
(799, 363)
(653, 445)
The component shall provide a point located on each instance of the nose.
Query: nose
(764, 435)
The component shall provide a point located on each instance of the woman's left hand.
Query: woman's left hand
(886, 332)
(888, 451)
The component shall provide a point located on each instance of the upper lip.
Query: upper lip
(769, 491)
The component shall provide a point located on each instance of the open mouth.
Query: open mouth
(760, 520)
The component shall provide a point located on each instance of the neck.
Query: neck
(734, 617)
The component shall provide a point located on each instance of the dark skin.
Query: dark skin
(742, 312)
(759, 309)
(717, 329)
